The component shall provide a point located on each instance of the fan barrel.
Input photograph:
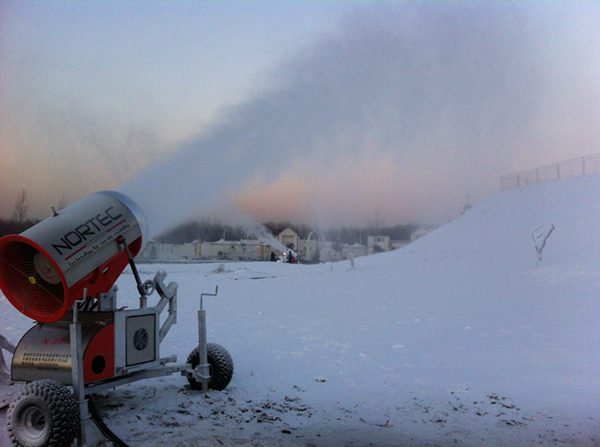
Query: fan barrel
(45, 269)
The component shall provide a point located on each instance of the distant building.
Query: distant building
(377, 244)
(220, 249)
(310, 250)
(289, 238)
(314, 249)
(244, 250)
(158, 251)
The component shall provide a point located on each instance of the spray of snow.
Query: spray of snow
(431, 100)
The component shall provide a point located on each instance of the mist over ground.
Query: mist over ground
(407, 113)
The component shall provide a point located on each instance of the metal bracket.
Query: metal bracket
(168, 295)
(107, 302)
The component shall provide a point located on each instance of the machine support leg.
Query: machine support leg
(203, 366)
(5, 370)
(77, 375)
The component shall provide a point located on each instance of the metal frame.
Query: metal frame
(125, 373)
(160, 367)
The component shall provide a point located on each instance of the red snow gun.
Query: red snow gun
(45, 269)
(62, 273)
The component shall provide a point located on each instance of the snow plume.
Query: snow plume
(406, 111)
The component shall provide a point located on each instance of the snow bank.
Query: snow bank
(462, 336)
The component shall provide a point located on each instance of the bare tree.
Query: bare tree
(21, 207)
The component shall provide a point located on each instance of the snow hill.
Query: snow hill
(460, 338)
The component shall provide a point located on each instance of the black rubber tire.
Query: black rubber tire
(44, 414)
(220, 367)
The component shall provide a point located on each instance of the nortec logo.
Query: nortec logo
(87, 230)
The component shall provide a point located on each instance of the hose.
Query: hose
(107, 432)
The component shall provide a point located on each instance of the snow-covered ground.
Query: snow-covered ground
(459, 338)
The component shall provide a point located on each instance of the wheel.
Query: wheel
(220, 367)
(44, 414)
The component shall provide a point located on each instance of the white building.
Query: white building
(158, 251)
(289, 238)
(243, 250)
(315, 249)
(377, 244)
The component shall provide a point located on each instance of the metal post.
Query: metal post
(203, 368)
(77, 371)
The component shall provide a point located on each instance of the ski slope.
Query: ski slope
(462, 337)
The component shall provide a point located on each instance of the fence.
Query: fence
(589, 164)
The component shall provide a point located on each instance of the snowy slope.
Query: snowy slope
(460, 337)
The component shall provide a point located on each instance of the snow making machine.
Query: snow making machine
(62, 273)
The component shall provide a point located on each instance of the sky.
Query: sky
(330, 113)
